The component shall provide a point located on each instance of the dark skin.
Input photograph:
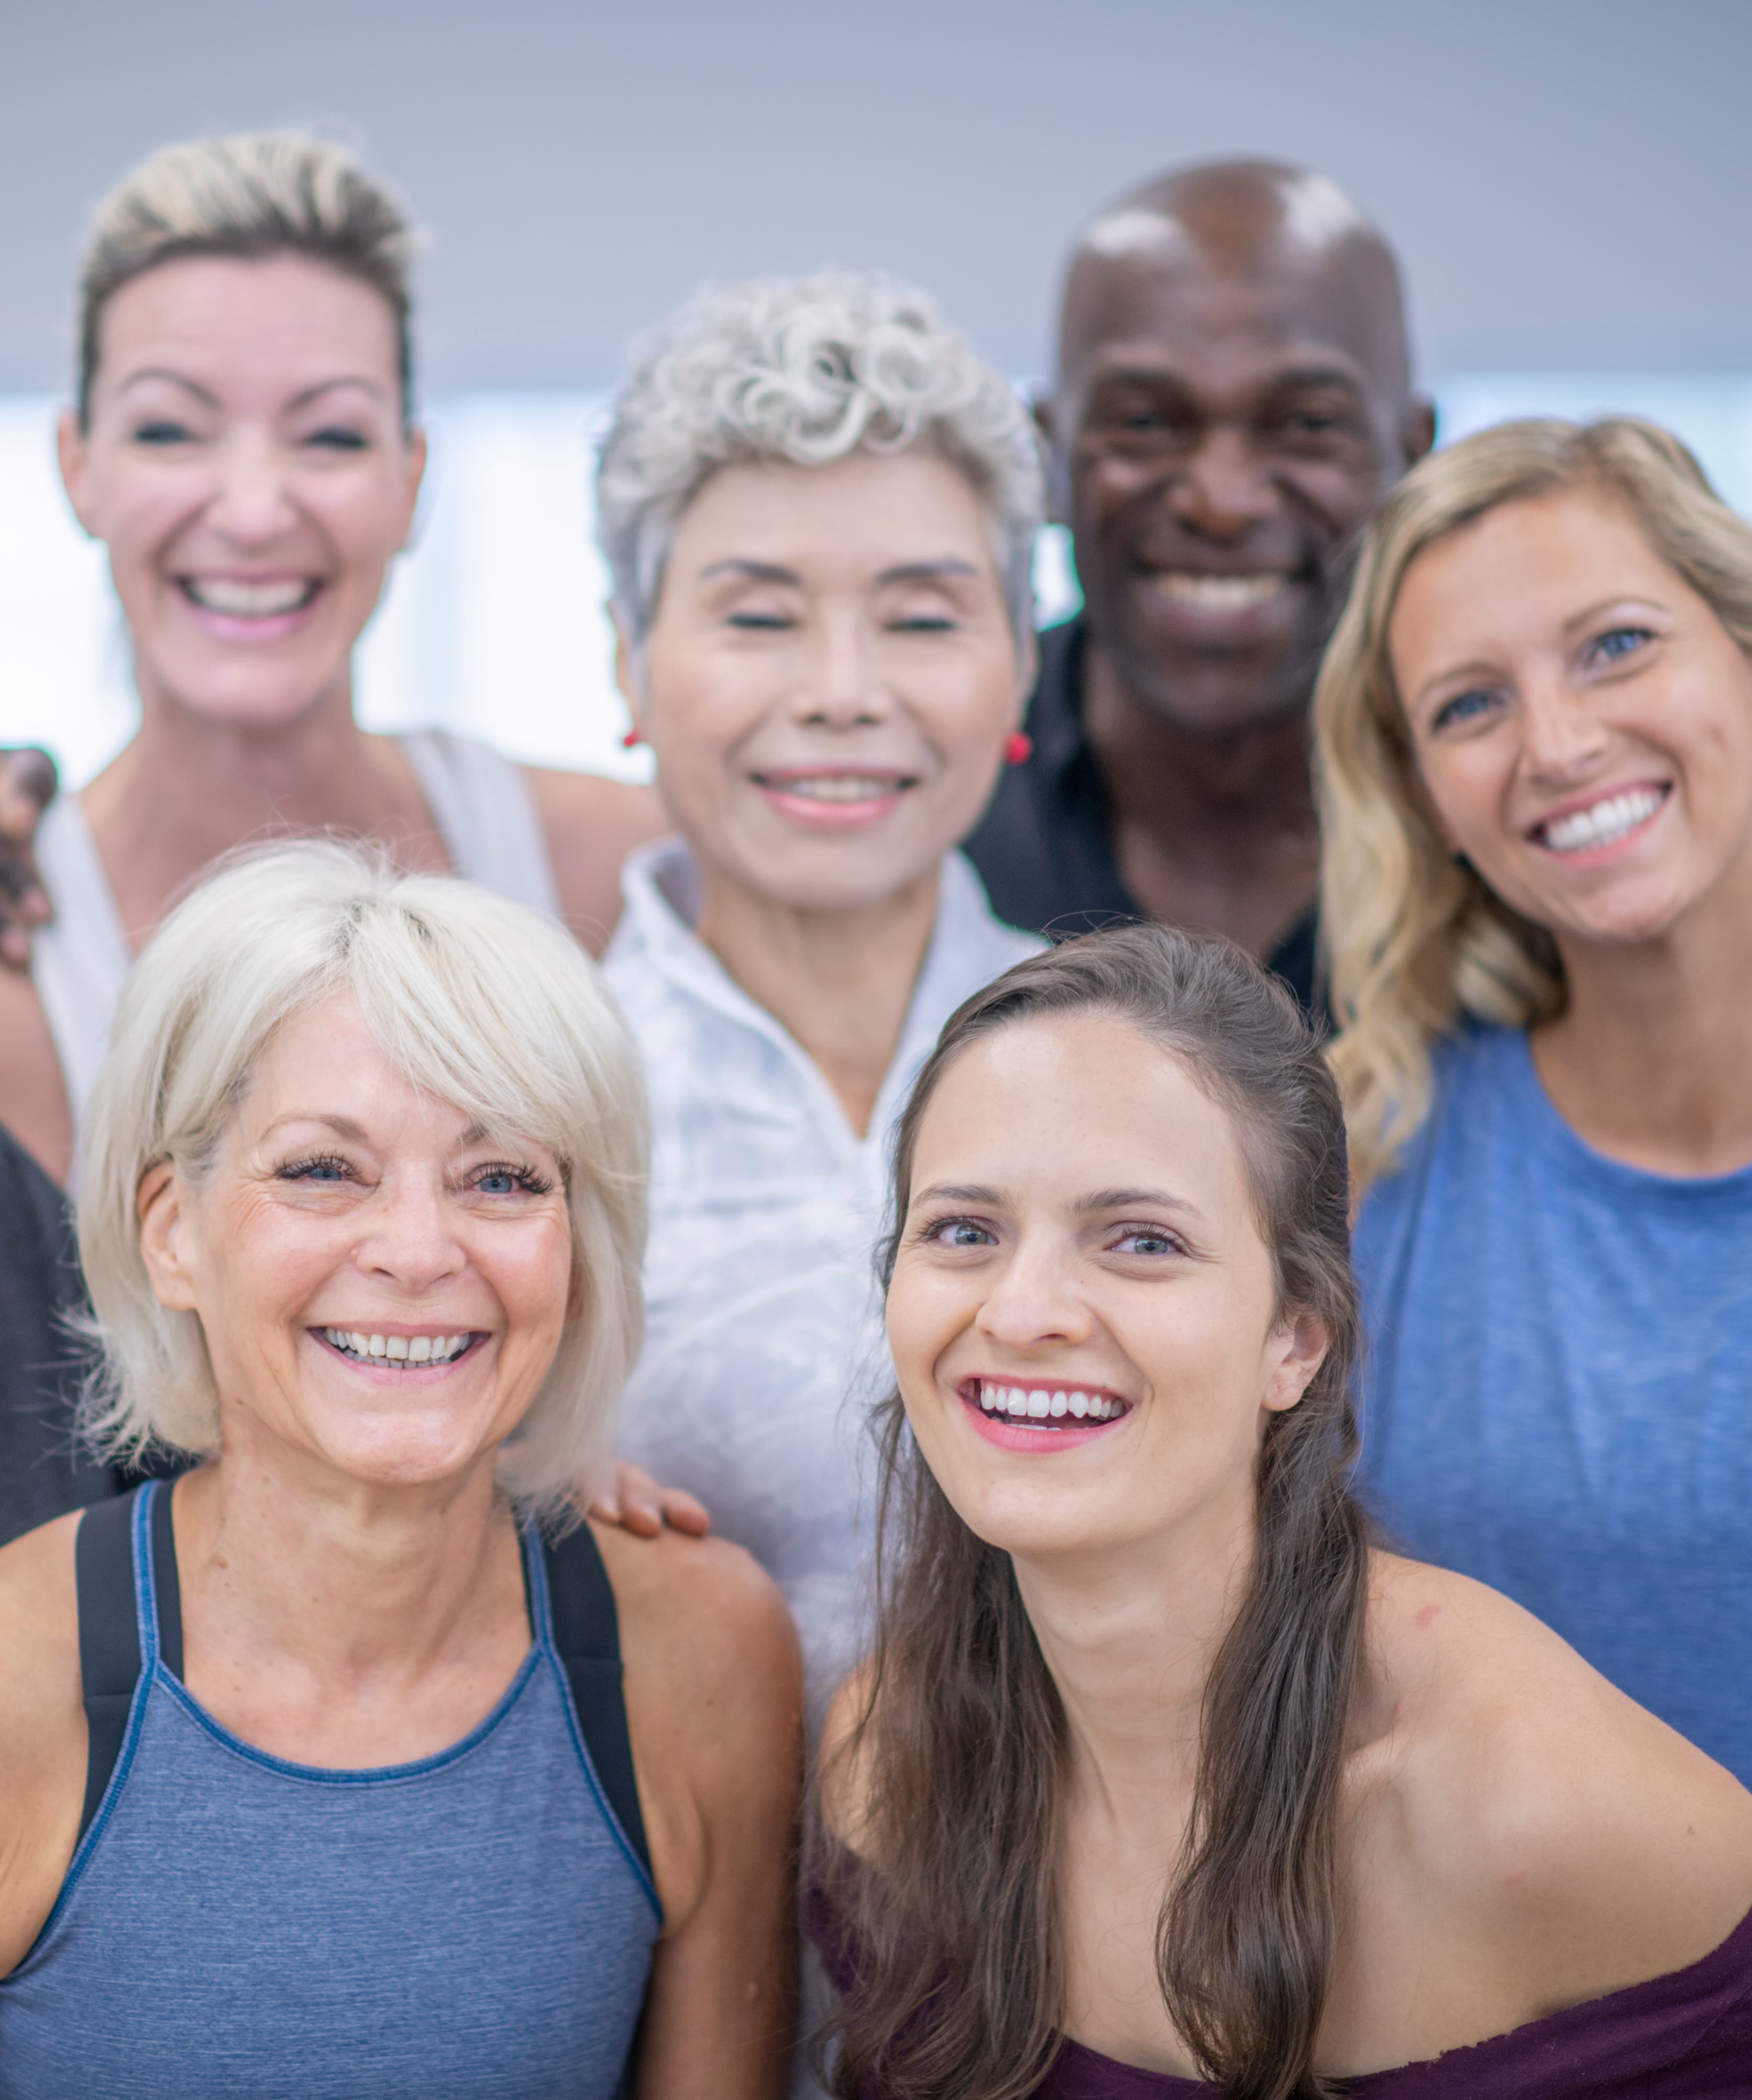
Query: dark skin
(1232, 401)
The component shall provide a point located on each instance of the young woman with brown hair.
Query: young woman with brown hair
(1160, 1772)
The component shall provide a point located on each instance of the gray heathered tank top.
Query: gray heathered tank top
(236, 1927)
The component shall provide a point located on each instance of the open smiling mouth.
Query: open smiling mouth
(1223, 594)
(1602, 823)
(1043, 1407)
(236, 599)
(845, 789)
(396, 1351)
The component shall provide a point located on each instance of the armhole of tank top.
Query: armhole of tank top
(585, 1631)
(486, 815)
(109, 1640)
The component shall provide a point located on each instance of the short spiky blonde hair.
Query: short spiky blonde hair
(1417, 943)
(481, 1002)
(259, 194)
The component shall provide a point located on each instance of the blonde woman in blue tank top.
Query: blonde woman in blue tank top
(348, 1765)
(1534, 730)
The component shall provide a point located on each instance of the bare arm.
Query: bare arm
(27, 786)
(42, 1731)
(591, 824)
(714, 1704)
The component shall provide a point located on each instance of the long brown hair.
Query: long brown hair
(961, 1741)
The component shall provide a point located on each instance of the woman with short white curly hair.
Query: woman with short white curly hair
(354, 1757)
(819, 508)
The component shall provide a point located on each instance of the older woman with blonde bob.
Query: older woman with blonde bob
(352, 1759)
(1535, 747)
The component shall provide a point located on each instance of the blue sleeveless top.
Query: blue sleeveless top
(236, 1927)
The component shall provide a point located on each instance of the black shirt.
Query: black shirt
(44, 1472)
(1045, 847)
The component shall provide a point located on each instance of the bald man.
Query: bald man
(1233, 398)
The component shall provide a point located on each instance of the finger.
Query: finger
(604, 1508)
(683, 1512)
(642, 1518)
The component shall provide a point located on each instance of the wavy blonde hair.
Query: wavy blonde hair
(1417, 944)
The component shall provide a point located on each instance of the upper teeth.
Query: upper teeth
(249, 601)
(839, 787)
(1222, 594)
(1039, 1405)
(1604, 821)
(398, 1348)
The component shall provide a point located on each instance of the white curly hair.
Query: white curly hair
(807, 369)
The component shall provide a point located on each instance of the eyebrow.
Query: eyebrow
(1101, 1199)
(341, 1126)
(212, 399)
(1296, 377)
(900, 572)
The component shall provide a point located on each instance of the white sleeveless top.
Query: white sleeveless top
(480, 801)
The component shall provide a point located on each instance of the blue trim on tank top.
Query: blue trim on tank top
(153, 1675)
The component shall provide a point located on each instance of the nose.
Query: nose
(410, 1242)
(843, 688)
(1562, 740)
(1034, 1301)
(252, 503)
(1223, 490)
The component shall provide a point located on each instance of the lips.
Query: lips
(1223, 595)
(833, 798)
(243, 597)
(1604, 821)
(1038, 1416)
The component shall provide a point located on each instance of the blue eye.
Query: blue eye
(958, 1233)
(1144, 1243)
(506, 1180)
(1463, 707)
(1618, 642)
(326, 1171)
(499, 1181)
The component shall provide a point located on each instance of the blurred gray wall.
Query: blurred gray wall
(1568, 180)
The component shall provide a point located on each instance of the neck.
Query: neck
(1214, 829)
(1130, 1637)
(839, 982)
(1648, 1060)
(189, 787)
(279, 1556)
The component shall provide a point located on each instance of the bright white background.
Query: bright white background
(493, 624)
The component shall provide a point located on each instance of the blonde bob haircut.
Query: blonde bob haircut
(1417, 944)
(480, 1002)
(252, 196)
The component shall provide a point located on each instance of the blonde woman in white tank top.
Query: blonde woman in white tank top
(241, 443)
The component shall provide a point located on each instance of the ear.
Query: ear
(1419, 433)
(1295, 1352)
(414, 468)
(1044, 408)
(73, 451)
(166, 1226)
(627, 667)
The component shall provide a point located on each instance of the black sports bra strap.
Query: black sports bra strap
(109, 1638)
(587, 1635)
(167, 1591)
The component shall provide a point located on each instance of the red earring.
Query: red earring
(1020, 748)
(631, 740)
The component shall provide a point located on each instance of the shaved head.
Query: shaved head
(1233, 397)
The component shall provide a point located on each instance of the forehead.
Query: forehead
(1170, 304)
(1120, 1108)
(897, 506)
(218, 314)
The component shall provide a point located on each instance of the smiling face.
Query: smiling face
(1232, 405)
(1115, 1263)
(381, 1287)
(830, 675)
(1580, 720)
(247, 467)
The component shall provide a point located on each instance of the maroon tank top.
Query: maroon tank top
(1684, 2036)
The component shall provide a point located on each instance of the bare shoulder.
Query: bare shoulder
(42, 1729)
(591, 824)
(1536, 1804)
(845, 1783)
(700, 1617)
